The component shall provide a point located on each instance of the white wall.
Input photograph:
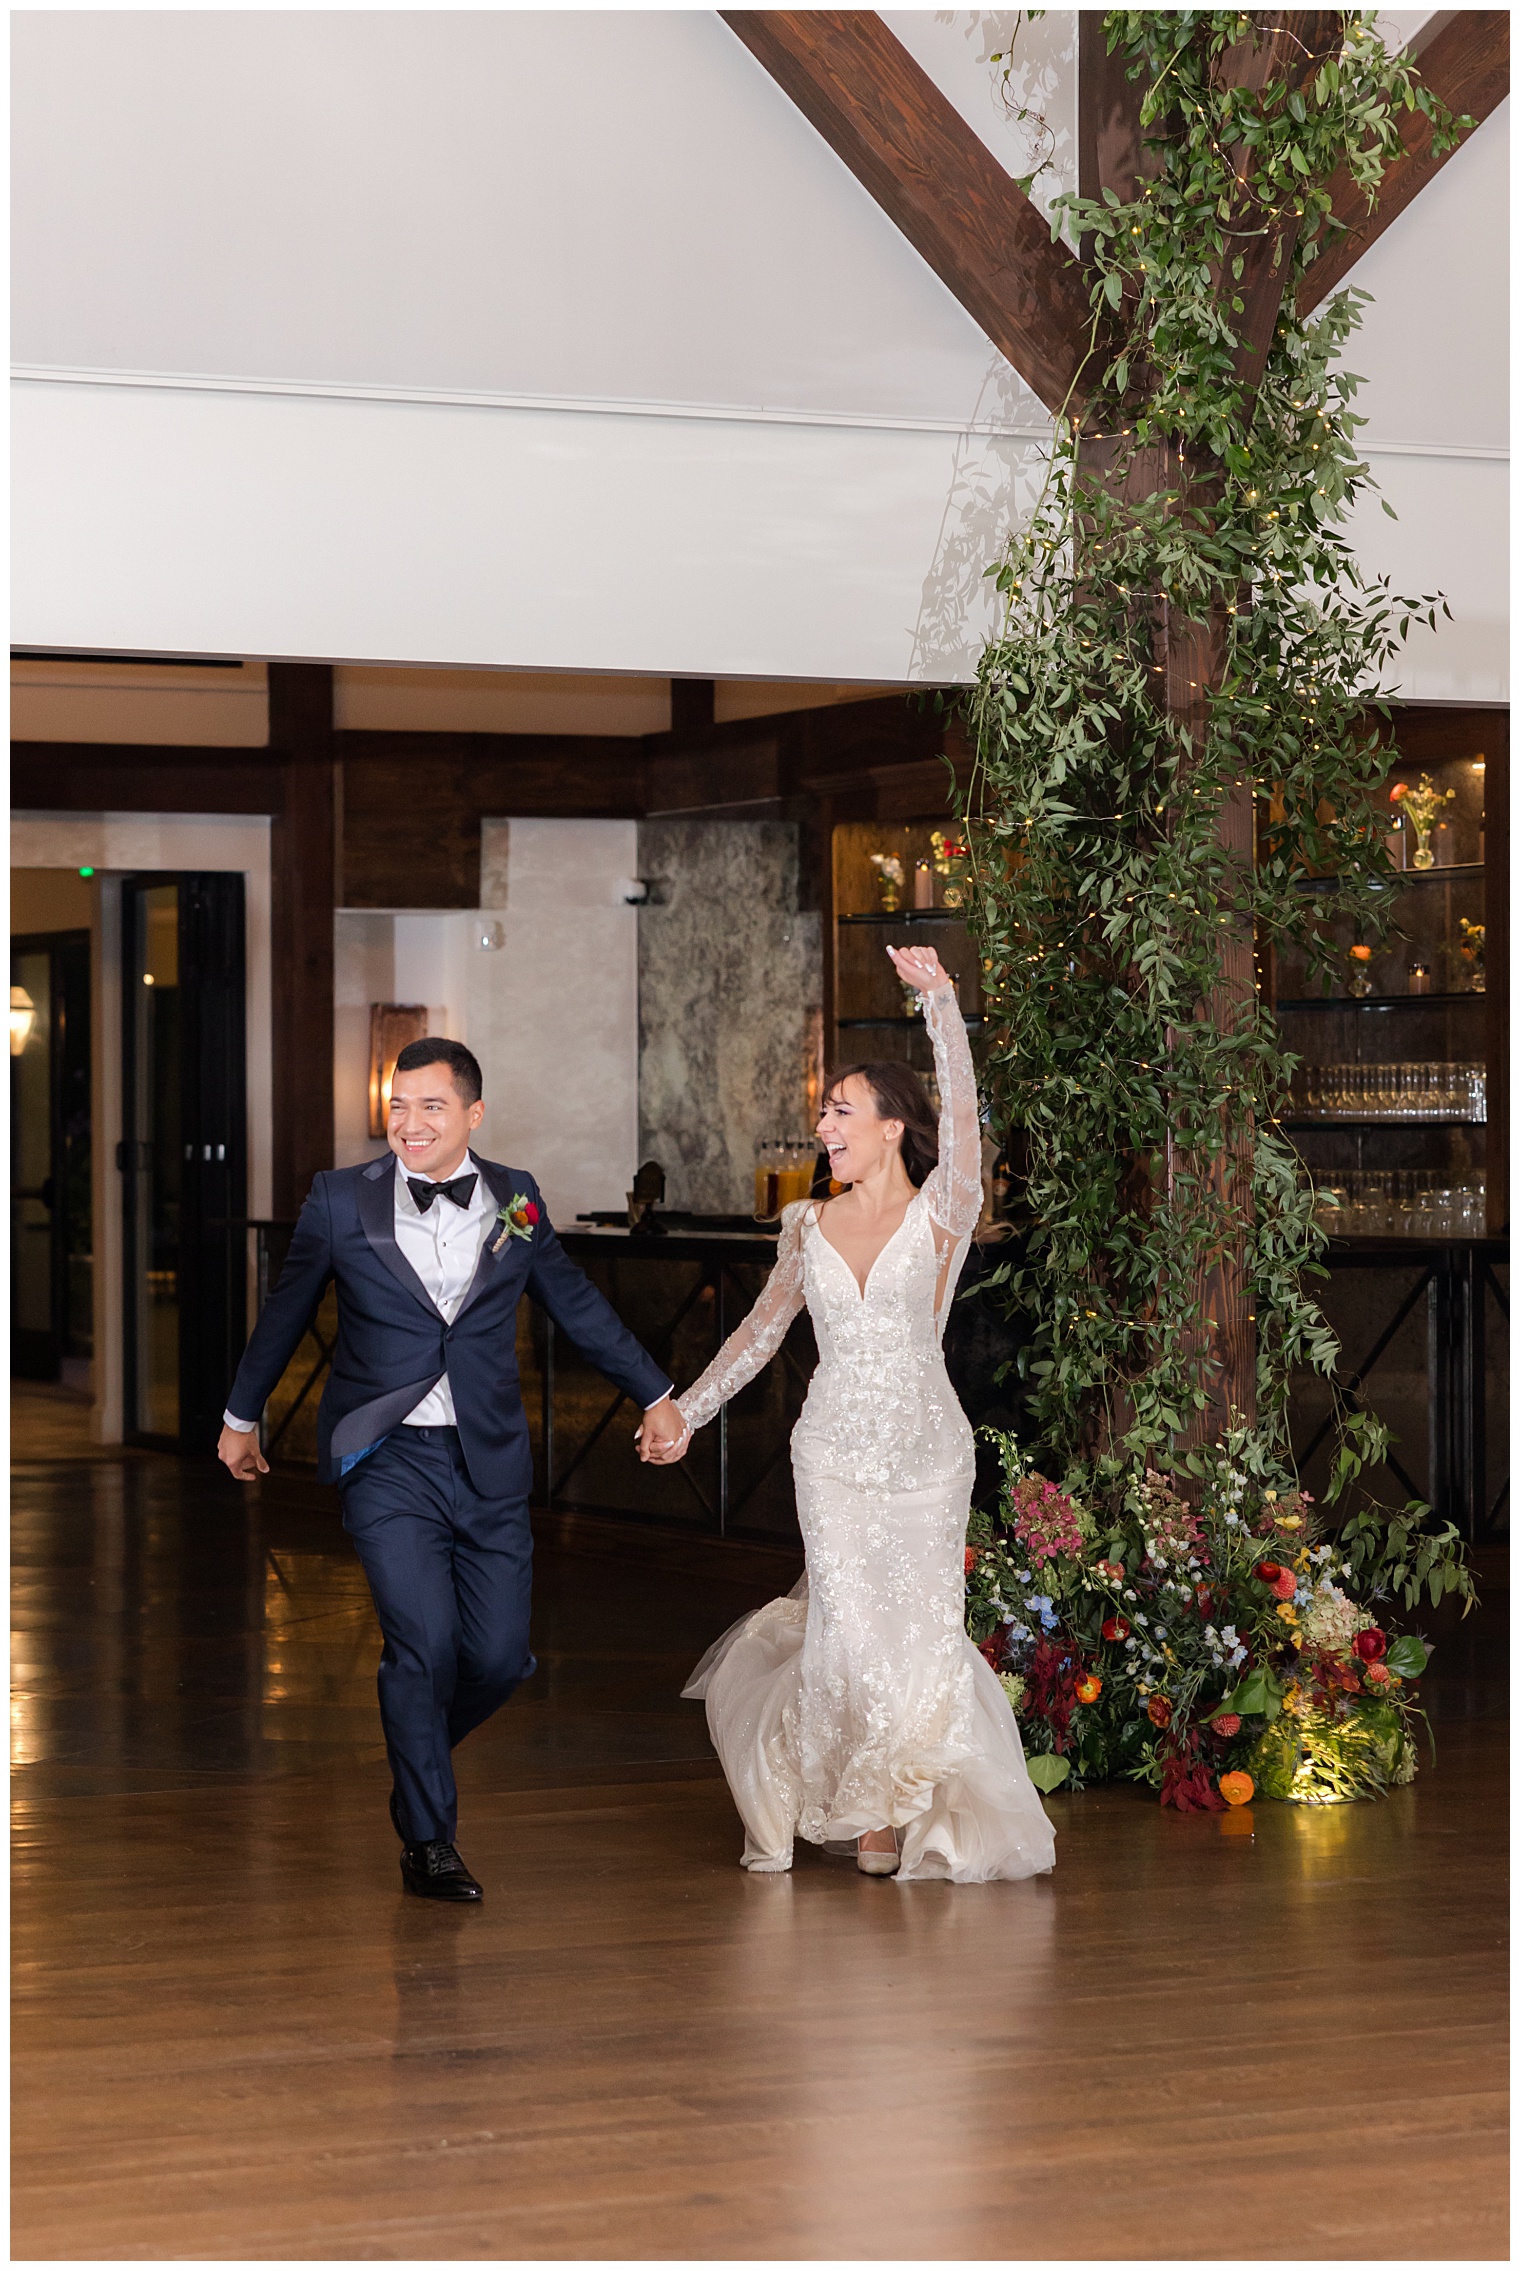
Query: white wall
(113, 843)
(552, 1013)
(562, 342)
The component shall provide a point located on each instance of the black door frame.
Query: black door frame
(213, 1134)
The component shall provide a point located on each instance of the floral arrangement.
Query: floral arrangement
(952, 860)
(1211, 1650)
(1422, 804)
(889, 880)
(1471, 950)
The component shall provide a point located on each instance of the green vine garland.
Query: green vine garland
(1101, 896)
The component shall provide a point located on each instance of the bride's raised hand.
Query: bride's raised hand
(919, 967)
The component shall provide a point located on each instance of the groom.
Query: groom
(421, 1424)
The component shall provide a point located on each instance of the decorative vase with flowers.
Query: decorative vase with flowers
(1359, 985)
(889, 880)
(1420, 805)
(951, 860)
(1474, 936)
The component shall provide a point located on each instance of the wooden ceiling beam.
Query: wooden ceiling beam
(1463, 57)
(987, 242)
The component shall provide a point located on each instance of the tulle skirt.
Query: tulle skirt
(859, 1703)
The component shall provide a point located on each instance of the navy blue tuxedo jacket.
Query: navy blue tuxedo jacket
(393, 1343)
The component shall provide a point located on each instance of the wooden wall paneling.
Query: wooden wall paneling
(303, 865)
(413, 803)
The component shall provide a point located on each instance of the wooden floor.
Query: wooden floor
(1273, 2036)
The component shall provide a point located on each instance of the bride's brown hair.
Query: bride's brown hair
(898, 1094)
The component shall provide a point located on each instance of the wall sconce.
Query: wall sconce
(23, 1018)
(489, 935)
(391, 1025)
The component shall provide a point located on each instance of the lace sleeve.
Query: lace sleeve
(954, 1189)
(751, 1346)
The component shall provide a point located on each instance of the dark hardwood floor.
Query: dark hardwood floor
(1272, 2036)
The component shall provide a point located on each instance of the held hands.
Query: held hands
(240, 1454)
(919, 967)
(663, 1435)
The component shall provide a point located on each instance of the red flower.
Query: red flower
(1226, 1723)
(530, 1211)
(1158, 1711)
(1116, 1628)
(1088, 1688)
(970, 1559)
(1371, 1644)
(1399, 788)
(1189, 1788)
(1378, 1674)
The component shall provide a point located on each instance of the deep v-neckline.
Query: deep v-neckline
(860, 1289)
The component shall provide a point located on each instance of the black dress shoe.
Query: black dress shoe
(435, 1872)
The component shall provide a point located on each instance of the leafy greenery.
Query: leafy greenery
(1188, 642)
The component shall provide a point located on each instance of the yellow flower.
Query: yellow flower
(1288, 1613)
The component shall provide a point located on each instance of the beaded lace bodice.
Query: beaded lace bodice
(880, 1411)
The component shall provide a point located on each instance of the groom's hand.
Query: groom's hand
(663, 1434)
(240, 1454)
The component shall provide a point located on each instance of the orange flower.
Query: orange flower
(1089, 1688)
(1159, 1711)
(1361, 953)
(1399, 788)
(1236, 1789)
(1378, 1675)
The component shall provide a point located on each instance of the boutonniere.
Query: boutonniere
(518, 1217)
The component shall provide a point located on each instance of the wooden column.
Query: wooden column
(304, 855)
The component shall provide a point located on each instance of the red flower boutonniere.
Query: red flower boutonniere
(518, 1218)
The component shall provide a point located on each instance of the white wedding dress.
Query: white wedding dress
(860, 1701)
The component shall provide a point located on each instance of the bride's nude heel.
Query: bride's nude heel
(879, 1864)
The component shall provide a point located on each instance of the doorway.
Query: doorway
(183, 1153)
(52, 1240)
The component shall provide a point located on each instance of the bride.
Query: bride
(857, 1713)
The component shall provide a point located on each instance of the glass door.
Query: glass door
(183, 1151)
(52, 1322)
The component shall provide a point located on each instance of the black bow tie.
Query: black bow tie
(461, 1190)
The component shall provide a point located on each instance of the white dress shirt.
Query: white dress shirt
(443, 1246)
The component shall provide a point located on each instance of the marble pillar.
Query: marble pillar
(730, 1004)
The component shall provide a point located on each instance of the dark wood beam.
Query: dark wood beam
(303, 859)
(1463, 56)
(92, 776)
(693, 705)
(936, 179)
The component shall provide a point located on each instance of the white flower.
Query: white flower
(1232, 1521)
(1237, 1655)
(1228, 1635)
(1129, 1592)
(1132, 1642)
(1210, 1634)
(1186, 1592)
(1161, 1632)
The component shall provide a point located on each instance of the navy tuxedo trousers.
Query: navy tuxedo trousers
(450, 1570)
